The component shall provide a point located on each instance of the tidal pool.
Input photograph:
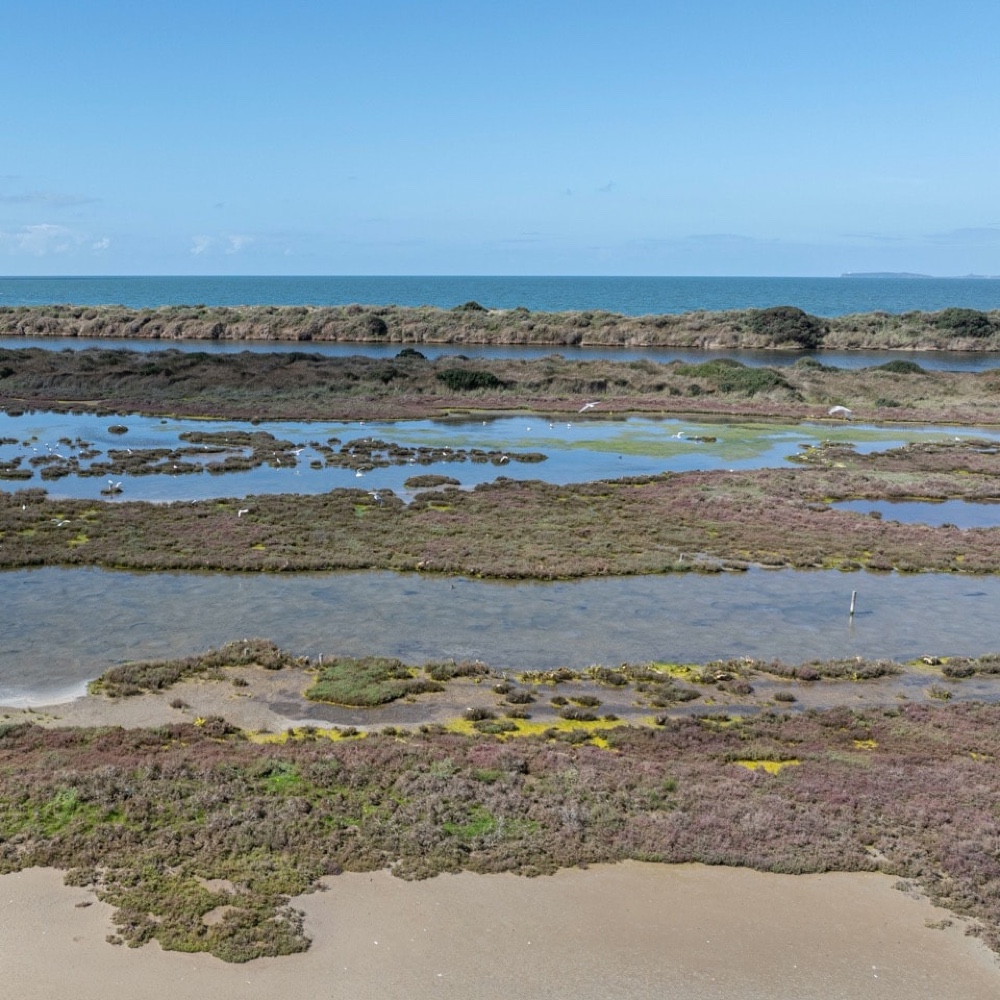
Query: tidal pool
(578, 448)
(63, 627)
(960, 513)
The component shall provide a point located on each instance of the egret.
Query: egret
(242, 511)
(587, 406)
(840, 411)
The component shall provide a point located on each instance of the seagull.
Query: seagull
(242, 511)
(297, 451)
(58, 522)
(840, 411)
(587, 406)
(376, 496)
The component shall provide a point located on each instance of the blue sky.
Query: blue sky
(715, 138)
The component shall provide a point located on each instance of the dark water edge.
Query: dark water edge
(633, 296)
(63, 627)
(970, 361)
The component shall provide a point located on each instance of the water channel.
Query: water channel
(972, 361)
(62, 627)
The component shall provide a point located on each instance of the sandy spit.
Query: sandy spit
(614, 931)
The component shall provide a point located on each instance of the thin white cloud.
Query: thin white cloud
(102, 244)
(237, 243)
(199, 244)
(972, 234)
(41, 239)
(47, 198)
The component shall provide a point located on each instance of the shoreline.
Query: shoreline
(632, 930)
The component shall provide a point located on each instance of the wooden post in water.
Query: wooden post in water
(854, 600)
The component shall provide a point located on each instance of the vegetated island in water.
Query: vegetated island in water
(779, 327)
(511, 529)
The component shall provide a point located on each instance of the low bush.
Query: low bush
(787, 325)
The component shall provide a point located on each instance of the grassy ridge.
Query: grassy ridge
(310, 386)
(775, 327)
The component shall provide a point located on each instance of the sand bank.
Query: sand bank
(625, 931)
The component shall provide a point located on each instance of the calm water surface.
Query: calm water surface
(960, 513)
(578, 449)
(62, 627)
(633, 296)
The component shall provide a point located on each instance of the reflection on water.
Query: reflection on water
(960, 513)
(62, 627)
(578, 449)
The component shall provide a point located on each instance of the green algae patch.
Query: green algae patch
(365, 682)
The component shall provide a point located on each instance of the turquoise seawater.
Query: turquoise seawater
(630, 296)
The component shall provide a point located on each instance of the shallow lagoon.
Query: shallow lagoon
(62, 627)
(577, 449)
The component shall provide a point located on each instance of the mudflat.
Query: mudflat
(631, 930)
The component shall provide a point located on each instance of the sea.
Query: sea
(631, 296)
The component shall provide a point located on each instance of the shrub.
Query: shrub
(366, 681)
(470, 306)
(900, 368)
(732, 376)
(787, 324)
(964, 322)
(478, 714)
(466, 379)
(375, 326)
(445, 670)
(520, 697)
(575, 714)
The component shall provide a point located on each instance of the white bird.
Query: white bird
(297, 451)
(840, 411)
(242, 511)
(587, 406)
(358, 474)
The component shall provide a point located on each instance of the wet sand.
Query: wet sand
(626, 931)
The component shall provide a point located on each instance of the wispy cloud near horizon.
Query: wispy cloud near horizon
(48, 198)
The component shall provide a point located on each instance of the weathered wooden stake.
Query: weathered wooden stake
(854, 598)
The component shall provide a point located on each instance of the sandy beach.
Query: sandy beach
(630, 931)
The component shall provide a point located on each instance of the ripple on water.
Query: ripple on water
(63, 627)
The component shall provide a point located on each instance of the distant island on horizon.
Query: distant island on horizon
(908, 274)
